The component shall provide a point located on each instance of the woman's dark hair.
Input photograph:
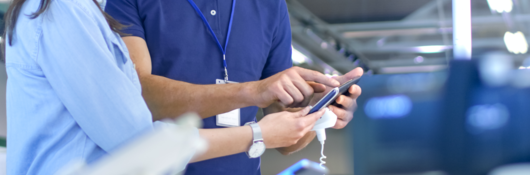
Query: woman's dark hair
(11, 17)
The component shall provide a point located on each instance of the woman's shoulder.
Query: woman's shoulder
(73, 13)
(77, 22)
(86, 6)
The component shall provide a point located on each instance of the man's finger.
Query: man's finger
(317, 87)
(340, 124)
(345, 101)
(304, 87)
(355, 91)
(342, 114)
(343, 117)
(295, 93)
(285, 98)
(311, 75)
(357, 72)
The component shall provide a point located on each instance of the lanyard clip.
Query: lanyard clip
(226, 76)
(226, 71)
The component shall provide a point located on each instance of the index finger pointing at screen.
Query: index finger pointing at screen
(311, 75)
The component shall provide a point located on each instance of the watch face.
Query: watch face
(256, 150)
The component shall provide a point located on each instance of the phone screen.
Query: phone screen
(333, 94)
(325, 101)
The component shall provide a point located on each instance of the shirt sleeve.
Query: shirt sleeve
(127, 13)
(79, 66)
(279, 57)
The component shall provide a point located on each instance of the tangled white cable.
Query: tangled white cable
(322, 156)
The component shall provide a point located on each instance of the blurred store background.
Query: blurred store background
(411, 112)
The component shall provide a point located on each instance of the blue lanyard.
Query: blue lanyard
(213, 34)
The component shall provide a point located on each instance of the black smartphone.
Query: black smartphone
(323, 102)
(343, 89)
(330, 97)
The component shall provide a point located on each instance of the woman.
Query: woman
(73, 92)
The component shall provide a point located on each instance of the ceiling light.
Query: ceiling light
(324, 45)
(409, 69)
(516, 42)
(431, 48)
(501, 6)
(418, 59)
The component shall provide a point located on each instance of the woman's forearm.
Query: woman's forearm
(225, 141)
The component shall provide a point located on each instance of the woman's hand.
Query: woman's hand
(286, 128)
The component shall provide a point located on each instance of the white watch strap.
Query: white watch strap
(256, 130)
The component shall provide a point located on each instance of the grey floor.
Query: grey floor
(337, 150)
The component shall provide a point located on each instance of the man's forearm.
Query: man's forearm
(167, 98)
(225, 141)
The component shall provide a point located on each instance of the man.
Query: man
(182, 47)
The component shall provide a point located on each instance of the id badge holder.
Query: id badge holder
(231, 118)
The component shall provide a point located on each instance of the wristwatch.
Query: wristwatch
(258, 147)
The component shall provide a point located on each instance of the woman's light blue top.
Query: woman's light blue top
(72, 90)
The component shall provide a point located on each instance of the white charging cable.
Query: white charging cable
(321, 136)
(322, 156)
(328, 120)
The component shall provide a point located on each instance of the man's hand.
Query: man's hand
(290, 87)
(286, 128)
(348, 103)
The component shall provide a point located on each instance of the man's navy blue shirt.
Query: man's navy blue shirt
(182, 48)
